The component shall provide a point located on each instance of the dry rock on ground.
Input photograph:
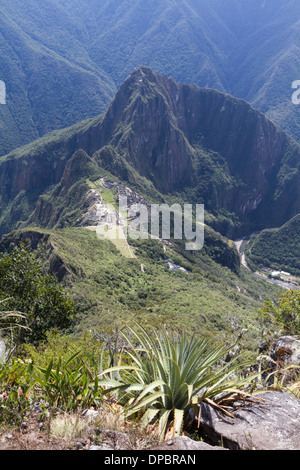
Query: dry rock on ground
(272, 425)
(287, 350)
(269, 424)
(185, 443)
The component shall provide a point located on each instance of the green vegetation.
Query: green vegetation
(63, 381)
(152, 379)
(284, 312)
(65, 372)
(10, 321)
(51, 81)
(108, 288)
(56, 276)
(59, 75)
(50, 178)
(63, 384)
(169, 377)
(190, 41)
(278, 248)
(45, 155)
(36, 301)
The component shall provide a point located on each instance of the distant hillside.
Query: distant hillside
(266, 57)
(63, 61)
(50, 81)
(278, 248)
(163, 142)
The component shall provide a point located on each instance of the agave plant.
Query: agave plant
(171, 376)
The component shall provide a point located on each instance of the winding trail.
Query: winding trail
(241, 246)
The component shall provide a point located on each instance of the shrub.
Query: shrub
(284, 312)
(37, 295)
(67, 383)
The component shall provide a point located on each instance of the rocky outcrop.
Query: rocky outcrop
(181, 136)
(279, 361)
(29, 172)
(185, 443)
(270, 422)
(286, 350)
(271, 425)
(153, 141)
(165, 122)
(33, 237)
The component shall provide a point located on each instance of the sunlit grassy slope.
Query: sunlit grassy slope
(109, 287)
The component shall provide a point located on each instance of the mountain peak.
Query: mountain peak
(206, 146)
(142, 71)
(153, 142)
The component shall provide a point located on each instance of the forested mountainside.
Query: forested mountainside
(277, 248)
(164, 139)
(46, 88)
(62, 61)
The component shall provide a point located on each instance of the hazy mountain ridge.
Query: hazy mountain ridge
(45, 88)
(68, 58)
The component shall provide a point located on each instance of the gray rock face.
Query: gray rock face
(104, 447)
(185, 443)
(273, 425)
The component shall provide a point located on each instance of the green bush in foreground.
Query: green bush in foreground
(64, 383)
(284, 312)
(25, 288)
(156, 379)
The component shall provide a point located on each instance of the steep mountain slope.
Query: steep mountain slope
(277, 248)
(46, 87)
(266, 57)
(158, 141)
(248, 49)
(181, 38)
(62, 61)
(208, 299)
(164, 139)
